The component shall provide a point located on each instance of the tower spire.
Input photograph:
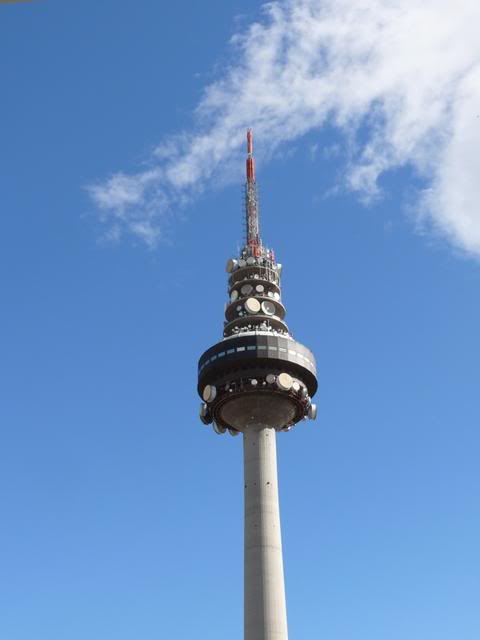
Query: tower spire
(251, 197)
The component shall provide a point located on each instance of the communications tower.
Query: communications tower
(256, 381)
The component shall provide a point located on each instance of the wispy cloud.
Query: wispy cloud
(405, 74)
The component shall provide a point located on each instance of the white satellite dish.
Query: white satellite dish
(233, 295)
(270, 378)
(260, 288)
(296, 386)
(231, 265)
(209, 393)
(284, 381)
(252, 305)
(242, 263)
(312, 412)
(251, 260)
(276, 296)
(268, 308)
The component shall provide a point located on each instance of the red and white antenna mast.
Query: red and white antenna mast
(251, 197)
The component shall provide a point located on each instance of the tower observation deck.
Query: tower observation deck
(256, 381)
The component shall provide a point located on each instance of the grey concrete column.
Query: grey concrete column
(265, 613)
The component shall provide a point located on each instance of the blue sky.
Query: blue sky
(121, 514)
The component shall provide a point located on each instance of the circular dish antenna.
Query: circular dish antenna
(276, 296)
(279, 269)
(260, 288)
(218, 429)
(233, 295)
(270, 294)
(296, 386)
(268, 308)
(246, 290)
(209, 393)
(242, 263)
(231, 265)
(312, 412)
(251, 260)
(205, 416)
(252, 305)
(285, 381)
(270, 378)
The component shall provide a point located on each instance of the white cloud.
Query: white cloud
(404, 73)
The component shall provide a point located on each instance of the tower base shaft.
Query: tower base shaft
(265, 607)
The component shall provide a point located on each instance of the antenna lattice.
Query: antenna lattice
(251, 197)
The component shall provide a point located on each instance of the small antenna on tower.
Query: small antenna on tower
(250, 158)
(251, 197)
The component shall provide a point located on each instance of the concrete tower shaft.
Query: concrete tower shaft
(265, 611)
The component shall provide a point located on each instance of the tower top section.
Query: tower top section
(251, 198)
(258, 374)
